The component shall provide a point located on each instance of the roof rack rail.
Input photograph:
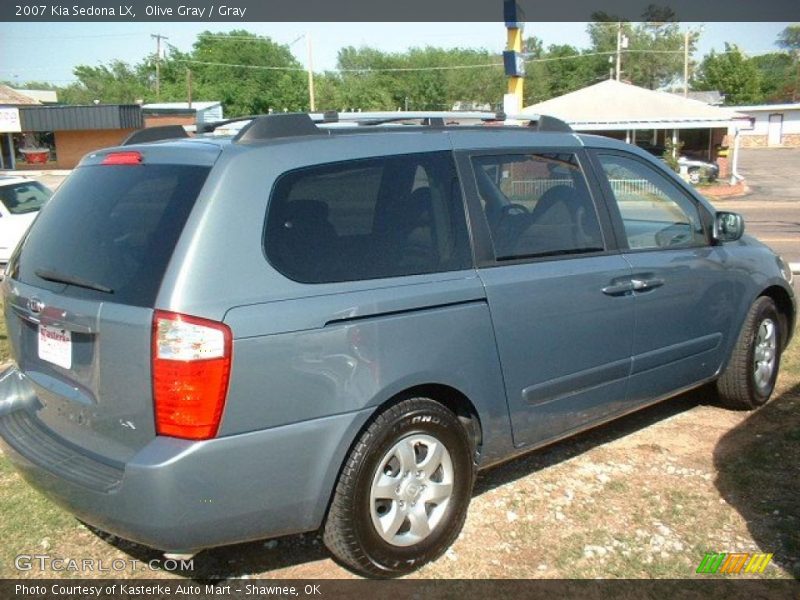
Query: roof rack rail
(154, 134)
(281, 125)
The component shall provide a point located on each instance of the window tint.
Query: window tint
(25, 197)
(365, 219)
(655, 212)
(114, 226)
(537, 205)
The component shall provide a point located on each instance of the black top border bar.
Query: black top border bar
(243, 11)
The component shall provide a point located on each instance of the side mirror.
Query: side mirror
(728, 226)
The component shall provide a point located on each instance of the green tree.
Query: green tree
(733, 74)
(778, 76)
(789, 39)
(247, 73)
(655, 52)
(114, 83)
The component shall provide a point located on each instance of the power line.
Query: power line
(364, 70)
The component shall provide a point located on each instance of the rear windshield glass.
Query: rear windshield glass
(110, 231)
(26, 197)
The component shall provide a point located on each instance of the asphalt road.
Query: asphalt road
(772, 207)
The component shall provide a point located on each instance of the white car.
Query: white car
(20, 201)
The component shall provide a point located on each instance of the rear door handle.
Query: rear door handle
(618, 289)
(642, 285)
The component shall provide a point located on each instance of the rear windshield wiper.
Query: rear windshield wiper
(71, 280)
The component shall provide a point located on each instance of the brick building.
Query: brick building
(69, 132)
(771, 125)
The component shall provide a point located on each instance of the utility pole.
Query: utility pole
(189, 86)
(686, 64)
(158, 37)
(311, 101)
(619, 49)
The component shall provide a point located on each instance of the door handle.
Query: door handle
(642, 285)
(618, 289)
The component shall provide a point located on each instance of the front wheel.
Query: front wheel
(403, 493)
(749, 378)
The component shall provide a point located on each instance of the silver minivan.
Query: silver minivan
(335, 324)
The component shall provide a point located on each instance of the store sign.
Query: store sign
(9, 120)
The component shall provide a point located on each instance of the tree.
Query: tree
(778, 77)
(789, 38)
(731, 73)
(114, 83)
(247, 73)
(655, 52)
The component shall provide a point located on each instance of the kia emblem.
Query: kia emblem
(35, 305)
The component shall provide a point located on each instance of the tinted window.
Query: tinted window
(655, 212)
(537, 205)
(365, 219)
(25, 197)
(113, 226)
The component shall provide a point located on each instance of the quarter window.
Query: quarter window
(367, 219)
(655, 212)
(537, 205)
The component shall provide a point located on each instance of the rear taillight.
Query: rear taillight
(191, 369)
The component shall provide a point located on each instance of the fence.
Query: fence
(531, 189)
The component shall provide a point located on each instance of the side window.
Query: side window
(537, 205)
(655, 212)
(367, 219)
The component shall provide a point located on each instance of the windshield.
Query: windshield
(24, 197)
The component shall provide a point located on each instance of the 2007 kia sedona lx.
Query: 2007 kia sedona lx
(336, 323)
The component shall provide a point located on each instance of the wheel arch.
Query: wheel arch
(786, 310)
(448, 396)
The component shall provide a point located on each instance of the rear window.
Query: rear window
(111, 230)
(367, 219)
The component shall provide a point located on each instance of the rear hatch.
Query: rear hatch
(80, 291)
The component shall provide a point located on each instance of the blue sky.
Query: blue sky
(49, 51)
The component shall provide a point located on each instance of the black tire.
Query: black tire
(349, 531)
(737, 387)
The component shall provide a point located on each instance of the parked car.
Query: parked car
(697, 170)
(20, 202)
(315, 325)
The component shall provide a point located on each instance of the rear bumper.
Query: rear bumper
(183, 496)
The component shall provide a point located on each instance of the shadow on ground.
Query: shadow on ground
(290, 551)
(757, 465)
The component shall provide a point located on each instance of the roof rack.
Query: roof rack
(283, 125)
(300, 124)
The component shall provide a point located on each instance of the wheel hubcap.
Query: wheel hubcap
(764, 354)
(411, 490)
